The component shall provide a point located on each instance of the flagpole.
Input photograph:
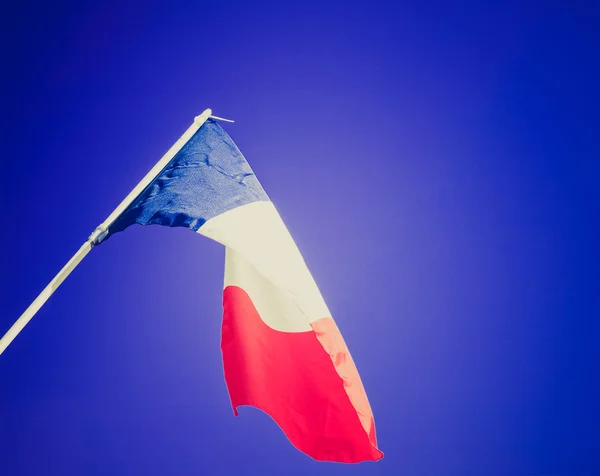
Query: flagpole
(100, 232)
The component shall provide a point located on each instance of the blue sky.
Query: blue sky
(437, 165)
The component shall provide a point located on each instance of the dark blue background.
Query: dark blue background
(437, 164)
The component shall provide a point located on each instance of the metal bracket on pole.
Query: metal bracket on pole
(98, 235)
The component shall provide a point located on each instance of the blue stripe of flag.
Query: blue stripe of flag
(207, 177)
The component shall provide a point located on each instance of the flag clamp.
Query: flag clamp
(98, 235)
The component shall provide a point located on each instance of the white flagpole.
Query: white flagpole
(100, 232)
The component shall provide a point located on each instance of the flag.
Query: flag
(282, 351)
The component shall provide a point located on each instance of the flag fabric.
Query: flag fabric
(282, 351)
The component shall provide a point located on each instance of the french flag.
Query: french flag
(282, 351)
